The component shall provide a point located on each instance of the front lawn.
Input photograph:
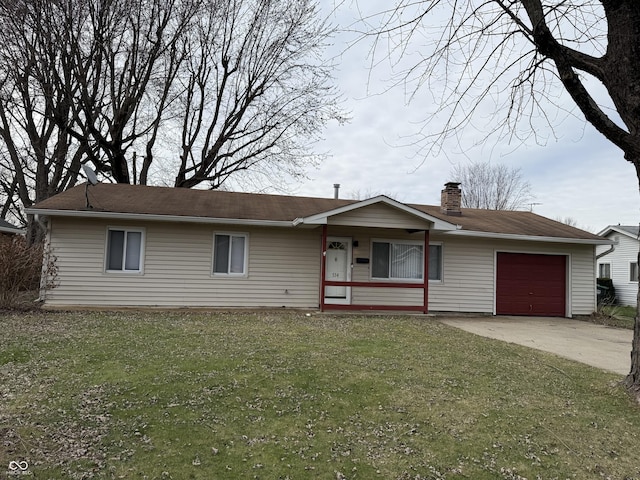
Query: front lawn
(289, 396)
(616, 316)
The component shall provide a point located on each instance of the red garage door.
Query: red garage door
(530, 284)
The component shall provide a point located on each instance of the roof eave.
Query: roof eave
(158, 218)
(613, 228)
(531, 238)
(16, 231)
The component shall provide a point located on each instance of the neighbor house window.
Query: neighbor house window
(124, 250)
(404, 260)
(229, 254)
(604, 270)
(633, 272)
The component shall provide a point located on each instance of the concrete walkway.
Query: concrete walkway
(603, 347)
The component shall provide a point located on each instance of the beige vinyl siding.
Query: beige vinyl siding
(283, 267)
(583, 288)
(468, 276)
(378, 216)
(468, 281)
(624, 253)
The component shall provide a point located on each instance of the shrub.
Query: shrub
(21, 267)
(606, 291)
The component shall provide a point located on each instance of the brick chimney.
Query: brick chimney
(451, 199)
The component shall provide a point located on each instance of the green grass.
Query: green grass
(282, 395)
(616, 316)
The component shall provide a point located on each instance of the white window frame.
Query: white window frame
(600, 266)
(407, 242)
(126, 231)
(245, 260)
(631, 267)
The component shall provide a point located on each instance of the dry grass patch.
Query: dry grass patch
(266, 395)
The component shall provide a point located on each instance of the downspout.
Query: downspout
(611, 249)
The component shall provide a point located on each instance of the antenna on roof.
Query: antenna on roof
(531, 205)
(91, 180)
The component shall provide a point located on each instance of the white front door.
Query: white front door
(338, 269)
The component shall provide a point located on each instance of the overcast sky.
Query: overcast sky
(577, 175)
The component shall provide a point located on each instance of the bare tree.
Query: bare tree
(124, 59)
(79, 79)
(37, 158)
(572, 222)
(492, 187)
(256, 93)
(188, 92)
(370, 193)
(515, 57)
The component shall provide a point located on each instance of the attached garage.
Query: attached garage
(531, 284)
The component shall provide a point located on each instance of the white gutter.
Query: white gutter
(531, 238)
(155, 217)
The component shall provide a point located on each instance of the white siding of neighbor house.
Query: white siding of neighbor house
(620, 259)
(283, 267)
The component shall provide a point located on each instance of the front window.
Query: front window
(229, 254)
(124, 250)
(604, 270)
(404, 260)
(633, 272)
(435, 262)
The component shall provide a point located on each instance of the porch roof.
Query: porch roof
(431, 222)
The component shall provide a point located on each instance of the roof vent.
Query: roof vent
(336, 190)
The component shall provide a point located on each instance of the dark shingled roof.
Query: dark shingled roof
(136, 199)
(509, 222)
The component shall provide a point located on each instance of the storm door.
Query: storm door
(338, 269)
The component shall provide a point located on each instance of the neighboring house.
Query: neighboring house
(142, 246)
(619, 262)
(7, 229)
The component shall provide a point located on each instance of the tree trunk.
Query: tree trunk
(632, 381)
(36, 232)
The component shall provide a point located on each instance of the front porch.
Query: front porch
(351, 284)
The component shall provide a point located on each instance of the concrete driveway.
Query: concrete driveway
(603, 347)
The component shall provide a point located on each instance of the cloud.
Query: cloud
(574, 173)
